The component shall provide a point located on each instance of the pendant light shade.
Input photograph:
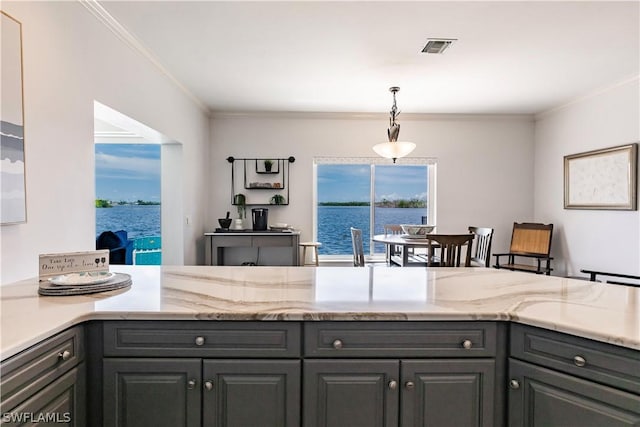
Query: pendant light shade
(394, 149)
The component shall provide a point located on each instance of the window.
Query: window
(368, 193)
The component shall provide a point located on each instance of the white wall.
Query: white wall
(485, 167)
(70, 60)
(587, 239)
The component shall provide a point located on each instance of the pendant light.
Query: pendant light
(394, 149)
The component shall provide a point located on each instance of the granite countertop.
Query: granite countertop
(603, 312)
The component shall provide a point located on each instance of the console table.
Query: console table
(248, 247)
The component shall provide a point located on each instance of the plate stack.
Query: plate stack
(84, 283)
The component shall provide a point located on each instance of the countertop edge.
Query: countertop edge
(320, 317)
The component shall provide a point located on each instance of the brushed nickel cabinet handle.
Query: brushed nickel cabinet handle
(65, 355)
(338, 344)
(579, 361)
(467, 344)
(409, 385)
(393, 384)
(208, 385)
(199, 340)
(514, 384)
(191, 384)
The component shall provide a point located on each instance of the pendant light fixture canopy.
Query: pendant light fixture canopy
(394, 149)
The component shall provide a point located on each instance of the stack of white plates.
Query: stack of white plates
(84, 283)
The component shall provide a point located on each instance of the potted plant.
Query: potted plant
(277, 199)
(268, 164)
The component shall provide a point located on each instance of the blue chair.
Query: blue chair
(147, 250)
(116, 244)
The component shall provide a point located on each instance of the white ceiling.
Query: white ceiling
(510, 57)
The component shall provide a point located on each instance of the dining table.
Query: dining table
(405, 257)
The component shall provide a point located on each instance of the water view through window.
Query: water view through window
(128, 192)
(358, 195)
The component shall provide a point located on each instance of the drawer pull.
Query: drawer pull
(200, 341)
(208, 385)
(337, 344)
(64, 355)
(393, 384)
(579, 361)
(514, 384)
(467, 344)
(409, 385)
(191, 384)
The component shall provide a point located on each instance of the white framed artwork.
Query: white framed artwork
(602, 179)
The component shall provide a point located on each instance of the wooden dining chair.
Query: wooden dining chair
(481, 252)
(391, 250)
(451, 247)
(358, 247)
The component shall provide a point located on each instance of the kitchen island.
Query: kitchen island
(396, 327)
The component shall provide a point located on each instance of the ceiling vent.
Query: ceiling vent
(437, 46)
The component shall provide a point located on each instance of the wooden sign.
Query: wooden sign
(73, 262)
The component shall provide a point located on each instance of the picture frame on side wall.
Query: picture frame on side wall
(12, 150)
(602, 179)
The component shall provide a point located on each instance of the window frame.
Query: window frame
(430, 162)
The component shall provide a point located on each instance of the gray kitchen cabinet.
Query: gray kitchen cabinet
(151, 392)
(438, 392)
(446, 376)
(560, 380)
(45, 384)
(540, 397)
(350, 393)
(240, 393)
(60, 403)
(445, 392)
(190, 373)
(193, 392)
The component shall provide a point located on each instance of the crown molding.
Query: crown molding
(582, 98)
(123, 34)
(318, 115)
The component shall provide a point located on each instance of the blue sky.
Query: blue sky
(349, 183)
(128, 172)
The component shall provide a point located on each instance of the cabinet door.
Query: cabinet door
(448, 393)
(62, 402)
(350, 393)
(240, 393)
(152, 392)
(545, 398)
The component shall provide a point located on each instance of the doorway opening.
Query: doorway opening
(137, 178)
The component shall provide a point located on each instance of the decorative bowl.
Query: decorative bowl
(224, 222)
(417, 229)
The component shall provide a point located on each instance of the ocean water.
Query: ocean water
(334, 224)
(138, 221)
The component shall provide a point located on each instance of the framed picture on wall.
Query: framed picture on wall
(12, 166)
(602, 179)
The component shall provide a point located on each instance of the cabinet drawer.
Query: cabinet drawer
(202, 339)
(30, 371)
(604, 363)
(399, 339)
(231, 241)
(273, 241)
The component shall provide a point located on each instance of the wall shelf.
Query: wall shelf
(250, 174)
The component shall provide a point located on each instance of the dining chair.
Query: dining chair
(481, 252)
(451, 247)
(391, 250)
(358, 247)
